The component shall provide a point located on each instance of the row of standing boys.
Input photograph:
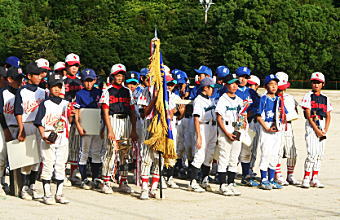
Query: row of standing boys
(226, 124)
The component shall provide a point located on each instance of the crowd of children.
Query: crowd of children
(226, 124)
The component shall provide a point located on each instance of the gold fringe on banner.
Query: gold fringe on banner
(158, 127)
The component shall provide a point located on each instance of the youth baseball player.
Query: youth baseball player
(229, 114)
(317, 108)
(8, 121)
(287, 149)
(53, 119)
(120, 122)
(88, 98)
(27, 100)
(243, 74)
(206, 136)
(270, 135)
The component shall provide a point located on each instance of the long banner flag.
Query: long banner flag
(160, 127)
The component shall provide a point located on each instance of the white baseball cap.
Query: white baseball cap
(318, 76)
(118, 68)
(43, 63)
(283, 83)
(59, 66)
(72, 59)
(254, 80)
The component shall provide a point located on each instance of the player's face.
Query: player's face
(232, 88)
(34, 79)
(118, 78)
(208, 90)
(72, 70)
(317, 85)
(132, 86)
(55, 90)
(272, 87)
(243, 81)
(170, 86)
(43, 74)
(89, 83)
(201, 77)
(252, 86)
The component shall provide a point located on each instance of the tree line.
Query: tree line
(295, 36)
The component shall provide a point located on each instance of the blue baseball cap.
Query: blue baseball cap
(222, 71)
(243, 71)
(88, 74)
(204, 70)
(270, 78)
(180, 76)
(132, 76)
(208, 81)
(13, 61)
(144, 71)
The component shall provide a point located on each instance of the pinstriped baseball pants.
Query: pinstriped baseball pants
(315, 150)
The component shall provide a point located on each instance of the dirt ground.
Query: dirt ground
(288, 203)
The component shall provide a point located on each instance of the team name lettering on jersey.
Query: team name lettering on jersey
(31, 106)
(9, 108)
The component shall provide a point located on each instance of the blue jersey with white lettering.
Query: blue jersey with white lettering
(243, 93)
(268, 108)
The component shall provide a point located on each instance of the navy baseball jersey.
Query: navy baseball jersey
(88, 98)
(72, 85)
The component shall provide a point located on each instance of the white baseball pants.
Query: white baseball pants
(93, 144)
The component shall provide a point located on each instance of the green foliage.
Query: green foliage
(295, 36)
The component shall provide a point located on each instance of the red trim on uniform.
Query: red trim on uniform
(105, 106)
(315, 173)
(116, 86)
(71, 77)
(307, 174)
(145, 179)
(251, 82)
(155, 179)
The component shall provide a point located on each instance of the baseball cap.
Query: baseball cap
(132, 76)
(32, 68)
(270, 78)
(180, 76)
(222, 71)
(3, 71)
(254, 80)
(283, 83)
(88, 74)
(243, 71)
(318, 76)
(204, 70)
(144, 71)
(43, 64)
(54, 79)
(15, 73)
(118, 68)
(59, 66)
(13, 61)
(72, 59)
(231, 78)
(208, 81)
(169, 79)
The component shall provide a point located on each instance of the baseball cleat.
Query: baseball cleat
(144, 195)
(305, 183)
(292, 181)
(205, 184)
(266, 185)
(48, 200)
(249, 182)
(226, 190)
(282, 181)
(106, 189)
(86, 184)
(61, 199)
(5, 187)
(153, 193)
(171, 183)
(234, 189)
(275, 185)
(67, 182)
(24, 194)
(316, 183)
(125, 188)
(194, 186)
(2, 191)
